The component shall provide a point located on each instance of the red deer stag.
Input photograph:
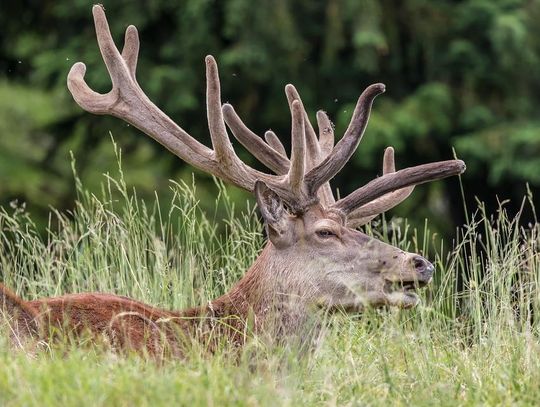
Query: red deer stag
(314, 258)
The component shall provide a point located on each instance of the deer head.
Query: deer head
(315, 251)
(315, 257)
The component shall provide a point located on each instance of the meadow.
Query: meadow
(473, 340)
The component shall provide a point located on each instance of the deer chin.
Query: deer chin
(403, 299)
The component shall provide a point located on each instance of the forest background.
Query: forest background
(461, 76)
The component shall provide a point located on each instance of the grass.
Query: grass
(474, 340)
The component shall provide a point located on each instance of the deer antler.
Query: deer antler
(127, 101)
(324, 161)
(298, 179)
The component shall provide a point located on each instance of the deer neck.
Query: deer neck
(266, 299)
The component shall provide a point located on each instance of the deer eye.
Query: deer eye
(325, 233)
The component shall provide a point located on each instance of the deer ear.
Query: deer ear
(272, 210)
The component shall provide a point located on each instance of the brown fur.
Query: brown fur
(132, 325)
(22, 319)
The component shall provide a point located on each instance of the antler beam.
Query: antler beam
(397, 180)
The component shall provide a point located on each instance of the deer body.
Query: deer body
(279, 296)
(315, 259)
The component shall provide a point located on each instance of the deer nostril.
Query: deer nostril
(419, 263)
(422, 266)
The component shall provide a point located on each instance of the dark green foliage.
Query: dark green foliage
(459, 74)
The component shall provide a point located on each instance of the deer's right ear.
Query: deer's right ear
(272, 210)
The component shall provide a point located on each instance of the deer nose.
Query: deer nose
(423, 267)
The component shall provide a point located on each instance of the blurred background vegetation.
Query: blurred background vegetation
(459, 74)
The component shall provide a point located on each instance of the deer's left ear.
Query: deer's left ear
(273, 212)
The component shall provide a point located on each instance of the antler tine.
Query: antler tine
(298, 148)
(273, 141)
(326, 133)
(345, 148)
(277, 162)
(85, 97)
(326, 144)
(389, 163)
(121, 66)
(130, 52)
(365, 213)
(403, 178)
(223, 149)
(312, 144)
(109, 52)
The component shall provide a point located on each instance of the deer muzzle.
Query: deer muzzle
(401, 287)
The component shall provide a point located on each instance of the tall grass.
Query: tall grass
(474, 339)
(115, 242)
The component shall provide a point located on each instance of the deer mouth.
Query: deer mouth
(403, 294)
(405, 285)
